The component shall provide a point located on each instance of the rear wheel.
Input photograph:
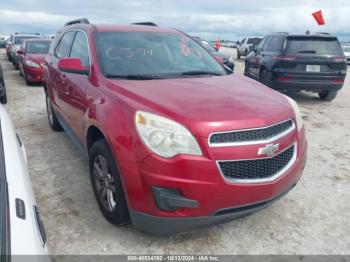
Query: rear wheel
(238, 54)
(246, 69)
(106, 183)
(53, 121)
(263, 78)
(327, 95)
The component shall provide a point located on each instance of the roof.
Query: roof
(121, 28)
(41, 39)
(326, 35)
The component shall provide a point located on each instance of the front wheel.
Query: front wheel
(327, 95)
(106, 183)
(263, 78)
(53, 121)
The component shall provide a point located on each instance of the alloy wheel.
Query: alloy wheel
(105, 184)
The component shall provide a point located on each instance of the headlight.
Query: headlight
(165, 137)
(32, 64)
(297, 113)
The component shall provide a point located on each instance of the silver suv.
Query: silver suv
(15, 41)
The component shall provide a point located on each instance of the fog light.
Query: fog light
(168, 199)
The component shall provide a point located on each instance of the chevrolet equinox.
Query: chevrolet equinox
(175, 141)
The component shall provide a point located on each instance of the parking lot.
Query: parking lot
(312, 219)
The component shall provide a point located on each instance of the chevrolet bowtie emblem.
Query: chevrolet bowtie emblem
(269, 149)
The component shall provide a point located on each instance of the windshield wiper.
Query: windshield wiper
(199, 73)
(307, 51)
(135, 77)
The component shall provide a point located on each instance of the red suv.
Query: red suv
(175, 141)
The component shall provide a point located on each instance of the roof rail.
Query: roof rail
(323, 33)
(145, 23)
(78, 21)
(280, 33)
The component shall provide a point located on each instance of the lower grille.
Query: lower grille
(258, 170)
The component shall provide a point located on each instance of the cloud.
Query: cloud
(209, 19)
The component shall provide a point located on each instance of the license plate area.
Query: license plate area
(313, 68)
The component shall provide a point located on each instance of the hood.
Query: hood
(37, 58)
(207, 104)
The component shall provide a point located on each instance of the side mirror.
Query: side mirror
(20, 52)
(219, 59)
(72, 65)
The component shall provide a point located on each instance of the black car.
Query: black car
(3, 96)
(287, 62)
(214, 52)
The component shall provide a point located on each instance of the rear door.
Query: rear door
(312, 58)
(58, 78)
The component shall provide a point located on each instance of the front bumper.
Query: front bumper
(34, 75)
(157, 225)
(198, 178)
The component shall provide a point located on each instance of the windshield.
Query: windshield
(153, 54)
(19, 39)
(254, 41)
(313, 45)
(38, 47)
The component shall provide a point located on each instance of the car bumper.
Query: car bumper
(198, 178)
(34, 75)
(313, 86)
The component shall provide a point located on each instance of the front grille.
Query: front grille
(250, 135)
(255, 169)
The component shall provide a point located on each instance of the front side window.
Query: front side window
(63, 49)
(38, 47)
(254, 41)
(80, 48)
(153, 53)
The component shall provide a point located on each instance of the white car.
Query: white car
(246, 45)
(346, 50)
(21, 229)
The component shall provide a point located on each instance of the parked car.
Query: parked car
(247, 45)
(2, 42)
(31, 57)
(287, 62)
(174, 141)
(8, 47)
(3, 95)
(225, 59)
(346, 50)
(15, 44)
(21, 229)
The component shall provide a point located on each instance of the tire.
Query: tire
(107, 185)
(263, 77)
(246, 69)
(238, 54)
(327, 95)
(3, 98)
(53, 121)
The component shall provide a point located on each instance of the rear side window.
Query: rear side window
(313, 45)
(63, 48)
(254, 41)
(275, 44)
(80, 48)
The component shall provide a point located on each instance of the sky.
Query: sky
(209, 19)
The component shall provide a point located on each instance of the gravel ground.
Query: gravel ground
(312, 219)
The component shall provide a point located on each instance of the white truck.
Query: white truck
(247, 45)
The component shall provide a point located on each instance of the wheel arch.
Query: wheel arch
(93, 134)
